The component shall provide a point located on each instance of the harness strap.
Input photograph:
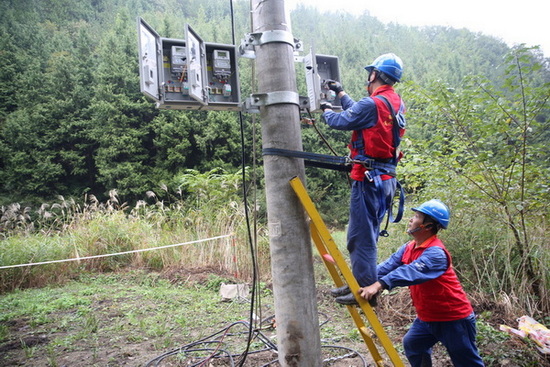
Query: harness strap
(334, 167)
(400, 210)
(389, 206)
(305, 155)
(395, 129)
(330, 161)
(401, 206)
(380, 189)
(344, 164)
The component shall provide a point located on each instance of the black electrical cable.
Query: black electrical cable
(327, 319)
(215, 353)
(185, 348)
(218, 339)
(250, 241)
(320, 133)
(252, 252)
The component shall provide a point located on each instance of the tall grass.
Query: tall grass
(93, 228)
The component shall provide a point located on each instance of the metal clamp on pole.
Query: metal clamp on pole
(246, 49)
(255, 101)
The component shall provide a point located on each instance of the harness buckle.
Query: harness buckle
(369, 176)
(365, 162)
(384, 233)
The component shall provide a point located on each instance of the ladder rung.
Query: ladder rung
(365, 331)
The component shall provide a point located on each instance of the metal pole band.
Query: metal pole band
(246, 49)
(255, 101)
(279, 36)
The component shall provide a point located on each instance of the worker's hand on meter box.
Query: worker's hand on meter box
(334, 85)
(325, 105)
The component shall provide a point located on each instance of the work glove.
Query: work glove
(325, 105)
(334, 85)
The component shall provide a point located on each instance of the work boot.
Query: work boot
(340, 291)
(348, 299)
(374, 300)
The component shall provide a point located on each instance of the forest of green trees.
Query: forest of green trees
(73, 121)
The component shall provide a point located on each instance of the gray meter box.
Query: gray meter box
(187, 74)
(319, 69)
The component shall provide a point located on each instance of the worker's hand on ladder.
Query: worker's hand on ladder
(370, 291)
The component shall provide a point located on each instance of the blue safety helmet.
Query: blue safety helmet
(436, 210)
(390, 64)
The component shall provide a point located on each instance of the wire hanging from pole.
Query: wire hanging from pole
(251, 240)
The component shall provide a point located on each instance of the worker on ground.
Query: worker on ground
(378, 124)
(444, 313)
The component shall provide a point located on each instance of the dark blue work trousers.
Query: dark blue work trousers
(368, 204)
(457, 336)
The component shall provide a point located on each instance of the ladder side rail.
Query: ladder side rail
(333, 270)
(332, 248)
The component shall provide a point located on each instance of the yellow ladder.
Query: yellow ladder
(338, 269)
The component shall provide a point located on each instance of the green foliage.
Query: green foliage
(215, 281)
(73, 122)
(99, 311)
(488, 163)
(215, 187)
(72, 119)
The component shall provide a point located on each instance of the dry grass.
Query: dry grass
(67, 231)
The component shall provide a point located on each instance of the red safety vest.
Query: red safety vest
(440, 299)
(378, 140)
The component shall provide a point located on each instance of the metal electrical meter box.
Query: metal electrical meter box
(196, 66)
(177, 74)
(319, 69)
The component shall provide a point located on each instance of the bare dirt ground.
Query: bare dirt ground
(28, 348)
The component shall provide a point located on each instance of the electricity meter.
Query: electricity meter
(222, 76)
(178, 59)
(221, 62)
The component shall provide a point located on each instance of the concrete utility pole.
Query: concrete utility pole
(298, 337)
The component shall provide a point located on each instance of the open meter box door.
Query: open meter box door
(319, 69)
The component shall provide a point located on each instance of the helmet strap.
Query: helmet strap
(385, 78)
(415, 230)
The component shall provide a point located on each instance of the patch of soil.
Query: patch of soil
(28, 341)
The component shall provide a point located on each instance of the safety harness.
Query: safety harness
(398, 123)
(375, 168)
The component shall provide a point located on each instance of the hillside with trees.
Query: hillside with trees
(74, 124)
(73, 120)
